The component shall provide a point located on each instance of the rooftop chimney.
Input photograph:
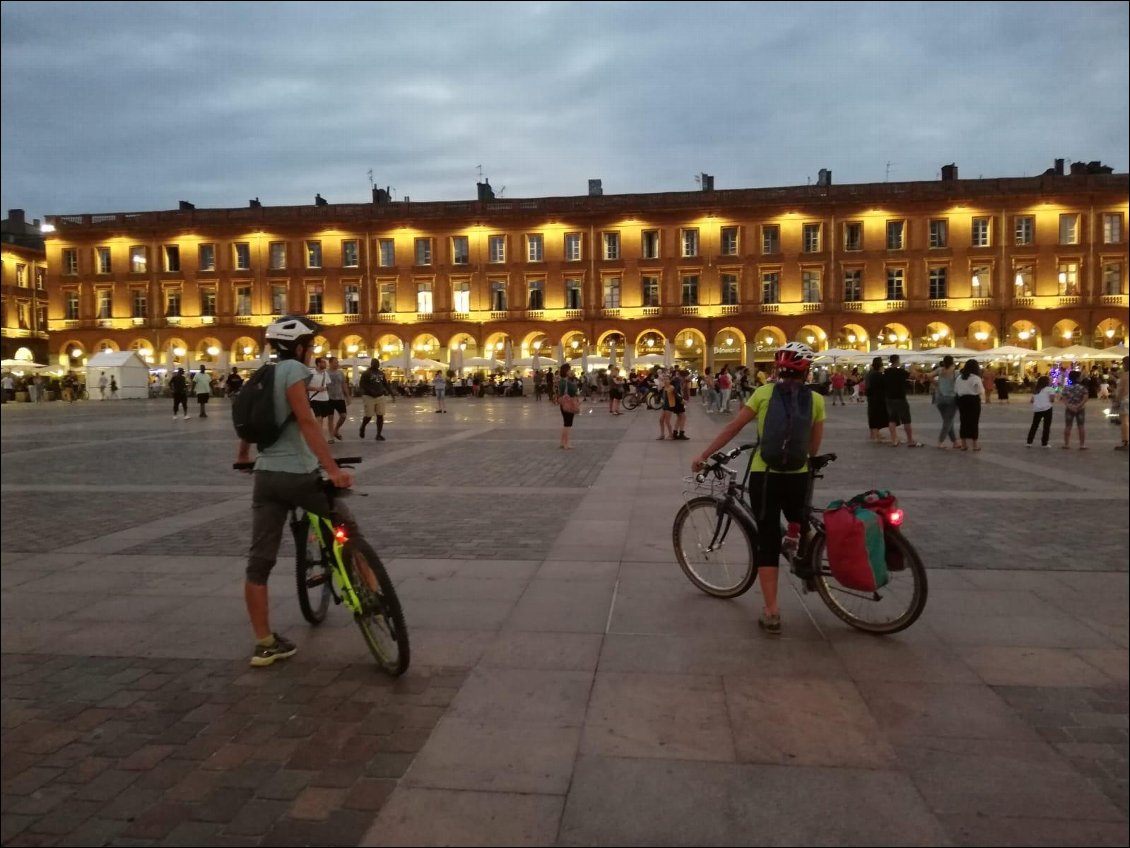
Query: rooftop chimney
(824, 177)
(485, 192)
(595, 188)
(255, 204)
(16, 217)
(381, 195)
(185, 206)
(1059, 167)
(319, 200)
(949, 173)
(1078, 168)
(707, 181)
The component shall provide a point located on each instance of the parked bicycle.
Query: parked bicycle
(715, 536)
(649, 396)
(333, 562)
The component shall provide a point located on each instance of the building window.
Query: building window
(896, 235)
(424, 298)
(728, 241)
(172, 303)
(386, 253)
(496, 248)
(138, 260)
(313, 254)
(104, 264)
(611, 243)
(650, 286)
(771, 239)
(387, 297)
(1025, 280)
(573, 299)
(939, 232)
(573, 247)
(536, 294)
(771, 287)
(461, 295)
(980, 235)
(853, 285)
(350, 254)
(730, 294)
(352, 300)
(939, 290)
(208, 301)
(140, 303)
(649, 244)
(611, 292)
(71, 305)
(278, 256)
(1068, 277)
(40, 279)
(853, 235)
(41, 317)
(981, 281)
(314, 304)
(1025, 229)
(423, 251)
(498, 295)
(278, 300)
(810, 286)
(1112, 278)
(1112, 228)
(70, 261)
(242, 256)
(460, 252)
(207, 257)
(172, 258)
(811, 238)
(896, 284)
(1069, 229)
(690, 290)
(535, 250)
(105, 303)
(21, 275)
(243, 300)
(22, 314)
(690, 243)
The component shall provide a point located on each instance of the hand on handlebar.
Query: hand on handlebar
(341, 478)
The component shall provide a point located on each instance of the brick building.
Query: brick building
(23, 289)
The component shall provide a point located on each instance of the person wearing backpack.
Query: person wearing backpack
(790, 427)
(286, 469)
(375, 392)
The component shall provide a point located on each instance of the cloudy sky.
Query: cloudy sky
(134, 106)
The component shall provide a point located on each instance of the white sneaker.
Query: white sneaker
(185, 417)
(175, 416)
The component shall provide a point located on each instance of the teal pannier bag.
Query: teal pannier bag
(857, 548)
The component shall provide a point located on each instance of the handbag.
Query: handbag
(569, 403)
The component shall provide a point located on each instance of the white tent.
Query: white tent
(125, 367)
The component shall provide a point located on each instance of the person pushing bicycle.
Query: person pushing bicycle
(773, 489)
(286, 475)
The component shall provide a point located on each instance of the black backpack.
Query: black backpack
(787, 433)
(253, 409)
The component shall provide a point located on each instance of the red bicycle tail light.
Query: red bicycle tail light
(895, 517)
(341, 535)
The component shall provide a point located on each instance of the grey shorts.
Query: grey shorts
(898, 411)
(1076, 417)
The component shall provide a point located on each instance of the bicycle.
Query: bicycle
(650, 397)
(715, 537)
(327, 553)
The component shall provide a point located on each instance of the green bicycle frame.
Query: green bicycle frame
(334, 547)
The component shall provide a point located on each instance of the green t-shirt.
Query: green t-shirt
(759, 403)
(290, 453)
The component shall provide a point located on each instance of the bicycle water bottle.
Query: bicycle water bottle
(791, 540)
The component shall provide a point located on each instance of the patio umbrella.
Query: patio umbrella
(426, 364)
(481, 362)
(668, 354)
(629, 351)
(585, 358)
(1084, 352)
(559, 353)
(455, 360)
(536, 362)
(650, 359)
(952, 351)
(20, 364)
(1004, 352)
(612, 354)
(508, 354)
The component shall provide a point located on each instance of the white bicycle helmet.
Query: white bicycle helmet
(289, 330)
(795, 356)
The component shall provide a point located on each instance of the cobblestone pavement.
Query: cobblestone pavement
(568, 684)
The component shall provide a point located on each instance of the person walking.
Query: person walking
(569, 401)
(874, 389)
(944, 394)
(615, 391)
(104, 385)
(234, 382)
(338, 390)
(970, 391)
(898, 407)
(318, 390)
(679, 381)
(1075, 396)
(724, 385)
(178, 385)
(1122, 402)
(1043, 399)
(202, 388)
(439, 385)
(838, 381)
(113, 388)
(667, 401)
(375, 392)
(1001, 382)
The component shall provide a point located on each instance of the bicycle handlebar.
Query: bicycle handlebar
(342, 462)
(717, 463)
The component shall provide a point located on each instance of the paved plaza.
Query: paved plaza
(568, 685)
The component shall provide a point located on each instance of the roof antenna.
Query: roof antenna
(888, 178)
(370, 179)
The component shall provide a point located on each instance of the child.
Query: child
(1043, 400)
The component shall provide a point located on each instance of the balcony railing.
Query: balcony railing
(207, 319)
(981, 303)
(351, 318)
(610, 312)
(731, 309)
(535, 314)
(652, 311)
(892, 305)
(461, 316)
(106, 322)
(1023, 301)
(688, 309)
(1070, 300)
(574, 314)
(499, 314)
(852, 306)
(938, 303)
(769, 308)
(424, 316)
(811, 307)
(387, 317)
(1113, 299)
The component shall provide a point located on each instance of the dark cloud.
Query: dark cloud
(129, 106)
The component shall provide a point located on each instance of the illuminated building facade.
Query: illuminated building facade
(23, 290)
(706, 277)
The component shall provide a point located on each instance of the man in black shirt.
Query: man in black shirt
(898, 409)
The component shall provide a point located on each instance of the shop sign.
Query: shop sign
(726, 351)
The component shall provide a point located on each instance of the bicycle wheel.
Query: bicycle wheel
(631, 401)
(381, 620)
(313, 578)
(654, 401)
(890, 609)
(714, 546)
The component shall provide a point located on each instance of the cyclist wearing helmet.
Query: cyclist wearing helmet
(286, 475)
(773, 492)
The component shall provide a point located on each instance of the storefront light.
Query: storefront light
(179, 351)
(1067, 334)
(1110, 333)
(851, 338)
(1024, 335)
(213, 351)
